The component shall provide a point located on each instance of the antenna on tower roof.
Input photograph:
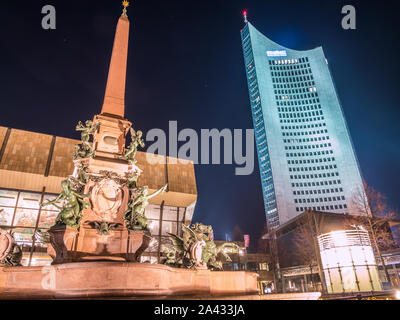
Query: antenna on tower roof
(245, 15)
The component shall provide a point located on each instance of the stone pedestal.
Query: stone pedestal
(93, 246)
(109, 141)
(69, 245)
(62, 244)
(108, 198)
(121, 279)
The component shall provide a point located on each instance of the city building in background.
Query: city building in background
(32, 166)
(305, 154)
(255, 262)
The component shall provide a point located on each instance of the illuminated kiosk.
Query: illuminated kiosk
(348, 261)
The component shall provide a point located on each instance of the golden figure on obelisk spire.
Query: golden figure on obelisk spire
(125, 4)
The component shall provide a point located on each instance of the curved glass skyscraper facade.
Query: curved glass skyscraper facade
(305, 154)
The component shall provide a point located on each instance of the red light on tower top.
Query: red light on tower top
(245, 16)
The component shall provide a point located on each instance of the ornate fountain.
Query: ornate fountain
(101, 229)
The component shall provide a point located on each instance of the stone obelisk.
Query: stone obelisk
(109, 141)
(114, 99)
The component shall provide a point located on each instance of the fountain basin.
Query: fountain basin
(120, 279)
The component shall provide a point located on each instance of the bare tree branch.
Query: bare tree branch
(369, 208)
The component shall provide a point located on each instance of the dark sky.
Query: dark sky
(185, 63)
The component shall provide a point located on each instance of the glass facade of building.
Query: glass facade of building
(162, 221)
(305, 154)
(22, 214)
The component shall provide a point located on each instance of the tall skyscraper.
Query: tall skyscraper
(305, 154)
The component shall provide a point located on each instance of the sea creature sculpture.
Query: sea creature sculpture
(10, 252)
(195, 249)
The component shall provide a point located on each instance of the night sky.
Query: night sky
(185, 63)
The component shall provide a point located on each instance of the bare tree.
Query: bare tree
(304, 247)
(384, 238)
(262, 246)
(237, 234)
(371, 210)
(268, 245)
(305, 250)
(367, 201)
(263, 243)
